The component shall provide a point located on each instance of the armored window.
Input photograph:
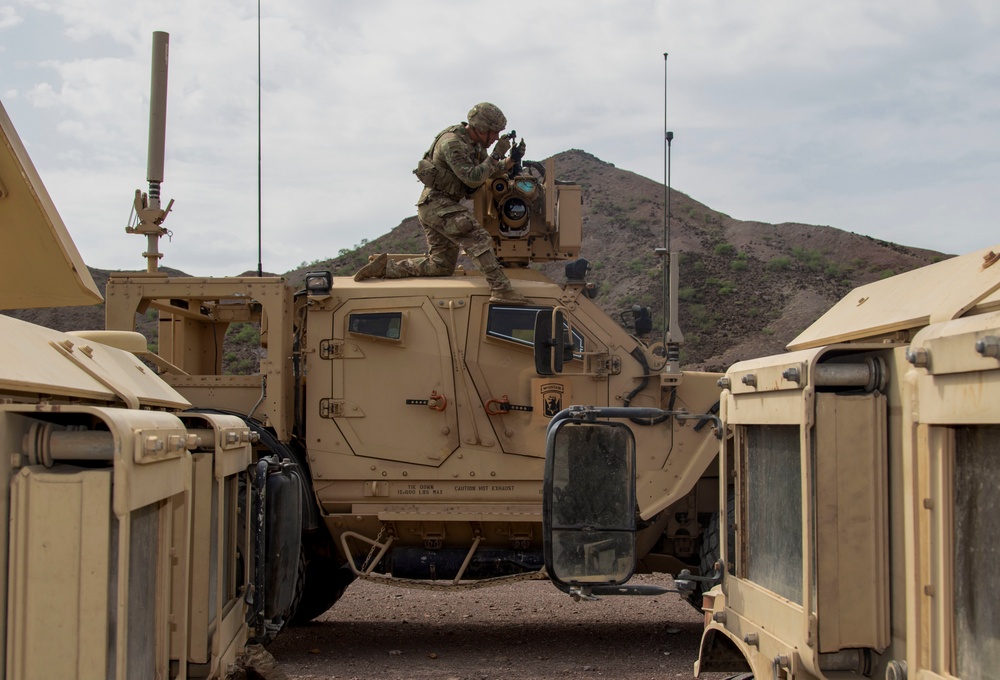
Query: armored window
(517, 324)
(773, 506)
(977, 537)
(377, 324)
(143, 563)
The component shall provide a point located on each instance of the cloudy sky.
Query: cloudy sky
(880, 117)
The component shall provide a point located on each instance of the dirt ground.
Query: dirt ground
(523, 630)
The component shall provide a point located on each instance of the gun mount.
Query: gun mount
(531, 216)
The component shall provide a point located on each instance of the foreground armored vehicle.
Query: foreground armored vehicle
(415, 410)
(858, 505)
(127, 550)
(866, 463)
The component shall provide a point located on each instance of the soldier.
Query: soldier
(452, 170)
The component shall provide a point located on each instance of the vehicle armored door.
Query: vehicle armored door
(519, 401)
(391, 393)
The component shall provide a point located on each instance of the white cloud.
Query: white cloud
(9, 17)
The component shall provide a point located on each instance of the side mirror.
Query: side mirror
(588, 503)
(549, 336)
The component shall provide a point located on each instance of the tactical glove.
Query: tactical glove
(518, 152)
(500, 148)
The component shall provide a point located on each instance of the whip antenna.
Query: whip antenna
(260, 266)
(672, 336)
(663, 251)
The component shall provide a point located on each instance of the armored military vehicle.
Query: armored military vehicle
(858, 505)
(866, 462)
(126, 545)
(415, 410)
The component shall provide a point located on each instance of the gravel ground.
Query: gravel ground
(521, 630)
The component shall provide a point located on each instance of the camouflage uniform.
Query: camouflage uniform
(446, 213)
(460, 167)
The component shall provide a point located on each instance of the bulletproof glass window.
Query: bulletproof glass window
(517, 324)
(378, 324)
(773, 505)
(977, 551)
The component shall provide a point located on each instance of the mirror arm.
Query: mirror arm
(686, 581)
(589, 414)
(702, 419)
(592, 593)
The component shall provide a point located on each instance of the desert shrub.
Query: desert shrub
(724, 287)
(241, 349)
(812, 259)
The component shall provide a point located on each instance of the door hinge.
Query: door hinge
(605, 364)
(339, 408)
(331, 408)
(331, 349)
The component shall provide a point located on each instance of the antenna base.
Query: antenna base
(149, 217)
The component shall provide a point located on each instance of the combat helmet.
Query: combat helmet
(486, 116)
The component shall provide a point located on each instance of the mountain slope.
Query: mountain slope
(747, 288)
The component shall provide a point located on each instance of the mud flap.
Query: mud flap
(277, 539)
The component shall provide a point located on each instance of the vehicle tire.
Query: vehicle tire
(321, 580)
(710, 548)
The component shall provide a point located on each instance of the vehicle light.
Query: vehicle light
(319, 283)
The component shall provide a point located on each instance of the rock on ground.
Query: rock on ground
(524, 630)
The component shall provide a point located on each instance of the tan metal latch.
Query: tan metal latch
(331, 349)
(331, 408)
(607, 364)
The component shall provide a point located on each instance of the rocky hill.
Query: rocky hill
(747, 288)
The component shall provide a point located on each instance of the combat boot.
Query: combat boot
(508, 296)
(375, 269)
(501, 290)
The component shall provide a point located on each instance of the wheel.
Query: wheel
(321, 579)
(710, 548)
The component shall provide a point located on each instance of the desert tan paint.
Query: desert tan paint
(109, 570)
(47, 267)
(877, 472)
(439, 433)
